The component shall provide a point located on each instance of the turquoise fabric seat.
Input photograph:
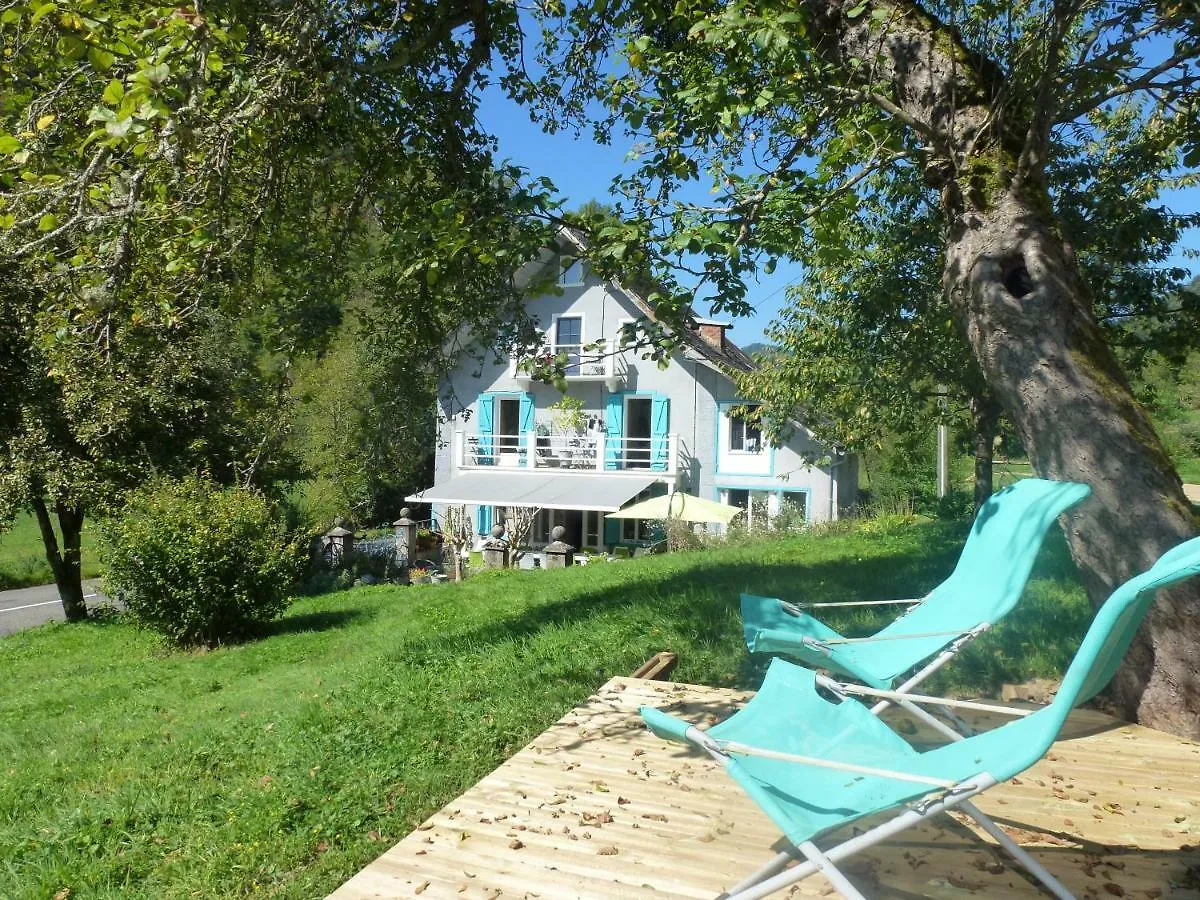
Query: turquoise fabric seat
(986, 584)
(789, 715)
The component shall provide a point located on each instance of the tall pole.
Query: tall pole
(943, 461)
(943, 450)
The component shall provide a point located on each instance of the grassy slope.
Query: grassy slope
(23, 558)
(281, 767)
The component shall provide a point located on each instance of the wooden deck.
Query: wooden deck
(598, 807)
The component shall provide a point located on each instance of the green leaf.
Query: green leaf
(8, 144)
(101, 60)
(118, 128)
(41, 12)
(47, 222)
(114, 93)
(214, 63)
(856, 11)
(156, 75)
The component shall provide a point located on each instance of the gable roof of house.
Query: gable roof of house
(728, 356)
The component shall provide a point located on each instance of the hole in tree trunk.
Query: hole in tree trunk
(1016, 278)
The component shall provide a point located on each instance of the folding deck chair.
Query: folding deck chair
(986, 584)
(813, 765)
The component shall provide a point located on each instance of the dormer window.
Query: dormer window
(744, 436)
(570, 271)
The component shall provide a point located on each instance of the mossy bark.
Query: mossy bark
(1018, 295)
(1029, 319)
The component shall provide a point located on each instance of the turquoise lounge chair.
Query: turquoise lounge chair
(989, 579)
(814, 765)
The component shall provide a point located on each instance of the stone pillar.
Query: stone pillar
(406, 535)
(559, 555)
(495, 549)
(339, 544)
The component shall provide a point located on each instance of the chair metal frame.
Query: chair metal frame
(1000, 758)
(776, 874)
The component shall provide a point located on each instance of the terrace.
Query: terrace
(597, 807)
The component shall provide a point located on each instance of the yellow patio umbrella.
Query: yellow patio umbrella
(678, 506)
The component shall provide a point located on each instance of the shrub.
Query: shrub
(199, 563)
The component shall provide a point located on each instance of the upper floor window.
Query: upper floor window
(744, 436)
(570, 271)
(568, 339)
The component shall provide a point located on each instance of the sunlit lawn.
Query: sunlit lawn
(281, 767)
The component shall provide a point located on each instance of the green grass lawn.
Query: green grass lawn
(281, 767)
(23, 558)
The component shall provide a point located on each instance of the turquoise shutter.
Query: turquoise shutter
(483, 520)
(527, 420)
(614, 426)
(660, 424)
(612, 532)
(487, 427)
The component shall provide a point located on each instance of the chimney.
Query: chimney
(713, 333)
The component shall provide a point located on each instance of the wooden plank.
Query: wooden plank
(597, 807)
(658, 667)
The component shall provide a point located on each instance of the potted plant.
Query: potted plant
(428, 540)
(567, 415)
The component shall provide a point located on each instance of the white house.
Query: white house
(641, 429)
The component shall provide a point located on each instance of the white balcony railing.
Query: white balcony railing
(582, 453)
(583, 366)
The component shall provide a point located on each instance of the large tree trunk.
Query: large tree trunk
(1029, 319)
(65, 561)
(985, 415)
(1017, 292)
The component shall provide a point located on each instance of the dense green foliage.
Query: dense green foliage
(199, 563)
(184, 194)
(283, 766)
(1171, 391)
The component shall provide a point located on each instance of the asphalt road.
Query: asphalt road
(26, 607)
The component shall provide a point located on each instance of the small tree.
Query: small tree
(198, 563)
(456, 525)
(518, 522)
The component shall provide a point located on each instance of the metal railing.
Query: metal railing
(582, 364)
(589, 452)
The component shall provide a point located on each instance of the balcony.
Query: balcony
(582, 367)
(580, 454)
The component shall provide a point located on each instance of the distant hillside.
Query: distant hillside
(758, 347)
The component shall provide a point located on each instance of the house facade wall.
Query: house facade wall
(699, 398)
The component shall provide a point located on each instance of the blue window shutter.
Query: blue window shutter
(660, 425)
(614, 426)
(527, 419)
(483, 520)
(612, 532)
(487, 427)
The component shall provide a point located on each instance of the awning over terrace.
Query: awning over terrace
(504, 487)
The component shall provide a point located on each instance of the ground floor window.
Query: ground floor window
(756, 503)
(794, 504)
(585, 528)
(593, 528)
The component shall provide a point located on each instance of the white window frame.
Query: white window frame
(565, 272)
(739, 419)
(552, 337)
(625, 446)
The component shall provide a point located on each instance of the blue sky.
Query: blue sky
(582, 170)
